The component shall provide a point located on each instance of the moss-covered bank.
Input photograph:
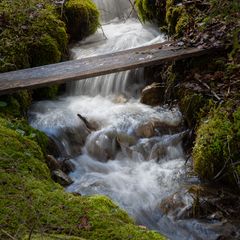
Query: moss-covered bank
(206, 88)
(33, 33)
(33, 205)
(216, 151)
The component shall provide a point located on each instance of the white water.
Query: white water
(116, 160)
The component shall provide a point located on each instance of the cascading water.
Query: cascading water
(130, 152)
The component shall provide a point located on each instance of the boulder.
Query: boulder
(153, 94)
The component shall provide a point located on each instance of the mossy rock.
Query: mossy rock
(217, 146)
(31, 203)
(190, 104)
(31, 35)
(46, 93)
(152, 10)
(82, 18)
(44, 51)
(16, 104)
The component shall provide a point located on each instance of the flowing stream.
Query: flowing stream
(128, 151)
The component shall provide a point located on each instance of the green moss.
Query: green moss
(29, 29)
(172, 17)
(190, 104)
(46, 93)
(152, 10)
(44, 51)
(52, 237)
(82, 18)
(182, 24)
(211, 147)
(16, 104)
(217, 145)
(236, 45)
(236, 127)
(32, 204)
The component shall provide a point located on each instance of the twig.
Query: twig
(103, 32)
(10, 236)
(221, 171)
(133, 9)
(235, 163)
(62, 3)
(31, 232)
(207, 86)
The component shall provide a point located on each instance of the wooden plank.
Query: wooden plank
(93, 66)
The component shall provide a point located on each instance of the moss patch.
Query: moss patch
(31, 34)
(152, 10)
(82, 18)
(16, 104)
(33, 205)
(217, 146)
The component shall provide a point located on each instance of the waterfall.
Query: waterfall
(111, 9)
(119, 34)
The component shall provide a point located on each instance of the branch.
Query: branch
(10, 236)
(133, 9)
(197, 77)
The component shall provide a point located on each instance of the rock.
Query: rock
(67, 166)
(146, 130)
(64, 165)
(52, 163)
(120, 99)
(72, 139)
(60, 177)
(200, 201)
(215, 212)
(155, 127)
(153, 94)
(102, 145)
(53, 148)
(125, 139)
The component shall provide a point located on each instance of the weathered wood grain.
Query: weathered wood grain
(94, 66)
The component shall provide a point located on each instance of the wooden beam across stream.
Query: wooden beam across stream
(94, 66)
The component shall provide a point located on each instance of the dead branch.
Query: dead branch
(134, 10)
(197, 77)
(86, 122)
(105, 36)
(9, 235)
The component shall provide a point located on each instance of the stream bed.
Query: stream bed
(128, 151)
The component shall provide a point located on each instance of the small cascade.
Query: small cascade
(112, 9)
(128, 151)
(118, 34)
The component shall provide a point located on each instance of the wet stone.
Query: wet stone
(153, 94)
(60, 177)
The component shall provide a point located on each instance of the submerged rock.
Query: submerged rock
(146, 130)
(208, 212)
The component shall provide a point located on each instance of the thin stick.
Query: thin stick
(6, 233)
(206, 85)
(103, 32)
(133, 8)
